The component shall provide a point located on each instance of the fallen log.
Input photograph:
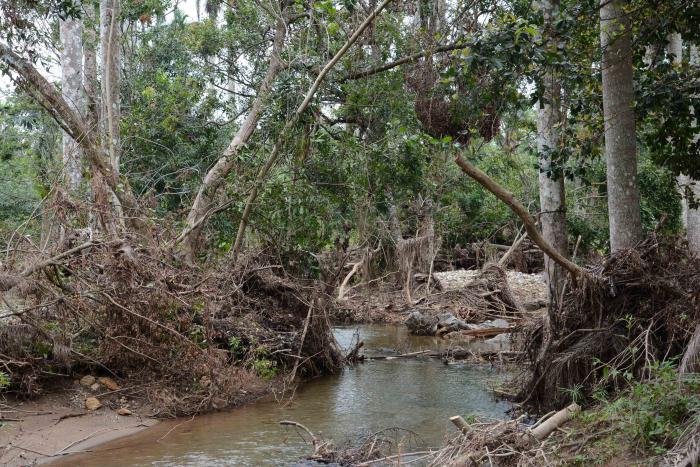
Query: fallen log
(544, 429)
(394, 357)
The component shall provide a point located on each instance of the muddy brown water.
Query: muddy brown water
(418, 394)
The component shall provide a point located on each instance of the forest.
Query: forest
(213, 206)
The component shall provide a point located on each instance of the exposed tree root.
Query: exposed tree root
(636, 307)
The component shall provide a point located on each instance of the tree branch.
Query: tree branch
(522, 212)
(262, 173)
(401, 61)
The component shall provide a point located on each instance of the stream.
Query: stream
(417, 394)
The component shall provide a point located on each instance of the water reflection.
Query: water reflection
(417, 394)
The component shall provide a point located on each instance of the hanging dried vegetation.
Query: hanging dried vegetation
(451, 107)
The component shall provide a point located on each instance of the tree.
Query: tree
(624, 211)
(551, 174)
(202, 206)
(693, 212)
(110, 37)
(72, 90)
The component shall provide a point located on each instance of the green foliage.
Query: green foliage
(4, 380)
(650, 414)
(266, 369)
(235, 344)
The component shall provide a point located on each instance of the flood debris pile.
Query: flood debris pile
(637, 307)
(486, 296)
(194, 339)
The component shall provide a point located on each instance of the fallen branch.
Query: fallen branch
(394, 357)
(519, 210)
(555, 421)
(516, 244)
(487, 332)
(314, 439)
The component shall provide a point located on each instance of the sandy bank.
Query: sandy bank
(58, 424)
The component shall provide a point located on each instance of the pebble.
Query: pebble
(108, 383)
(92, 403)
(123, 411)
(87, 380)
(95, 386)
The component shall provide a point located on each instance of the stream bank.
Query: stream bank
(416, 397)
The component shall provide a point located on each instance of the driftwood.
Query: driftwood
(545, 428)
(460, 423)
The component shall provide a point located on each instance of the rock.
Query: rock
(95, 386)
(421, 325)
(495, 323)
(447, 322)
(123, 411)
(109, 383)
(91, 403)
(87, 380)
(424, 325)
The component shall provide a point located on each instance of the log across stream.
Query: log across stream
(418, 394)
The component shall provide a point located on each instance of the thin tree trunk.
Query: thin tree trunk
(551, 174)
(215, 178)
(71, 32)
(101, 212)
(675, 51)
(693, 214)
(110, 42)
(262, 173)
(110, 115)
(90, 82)
(624, 213)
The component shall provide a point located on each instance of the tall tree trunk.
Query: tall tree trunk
(71, 32)
(624, 213)
(693, 220)
(90, 82)
(215, 178)
(101, 215)
(110, 39)
(110, 114)
(675, 51)
(551, 175)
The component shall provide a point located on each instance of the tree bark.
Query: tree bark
(262, 173)
(90, 83)
(551, 174)
(215, 178)
(110, 43)
(693, 214)
(71, 32)
(624, 213)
